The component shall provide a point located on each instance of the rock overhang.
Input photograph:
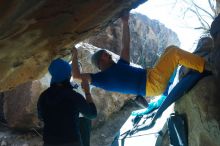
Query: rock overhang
(33, 32)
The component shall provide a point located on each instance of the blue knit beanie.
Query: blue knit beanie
(60, 71)
(215, 26)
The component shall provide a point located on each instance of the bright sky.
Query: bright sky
(170, 13)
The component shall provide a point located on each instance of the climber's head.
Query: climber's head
(102, 59)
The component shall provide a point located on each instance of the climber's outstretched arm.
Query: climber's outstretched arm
(75, 68)
(125, 53)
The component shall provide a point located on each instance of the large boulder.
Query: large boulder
(20, 105)
(201, 105)
(33, 32)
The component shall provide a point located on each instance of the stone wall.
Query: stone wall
(20, 105)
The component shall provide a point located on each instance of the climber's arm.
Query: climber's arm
(75, 68)
(125, 53)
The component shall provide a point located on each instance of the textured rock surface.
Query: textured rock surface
(148, 39)
(201, 105)
(20, 105)
(215, 57)
(32, 32)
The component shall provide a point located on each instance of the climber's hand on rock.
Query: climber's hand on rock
(74, 50)
(125, 16)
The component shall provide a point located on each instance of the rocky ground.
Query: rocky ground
(104, 135)
(101, 136)
(9, 137)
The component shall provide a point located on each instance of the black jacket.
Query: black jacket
(59, 107)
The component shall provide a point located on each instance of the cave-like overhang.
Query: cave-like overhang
(33, 32)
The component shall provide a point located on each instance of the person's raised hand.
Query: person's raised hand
(85, 85)
(125, 16)
(74, 50)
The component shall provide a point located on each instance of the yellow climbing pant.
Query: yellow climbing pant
(158, 77)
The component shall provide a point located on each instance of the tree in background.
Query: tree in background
(203, 14)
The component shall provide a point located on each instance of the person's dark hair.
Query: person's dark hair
(96, 57)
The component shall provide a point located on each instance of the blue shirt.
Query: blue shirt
(122, 78)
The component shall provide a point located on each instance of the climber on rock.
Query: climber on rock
(190, 77)
(123, 78)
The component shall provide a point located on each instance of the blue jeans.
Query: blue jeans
(180, 89)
